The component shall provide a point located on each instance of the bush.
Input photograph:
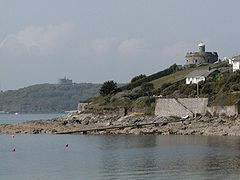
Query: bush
(235, 87)
(108, 87)
(152, 77)
(144, 102)
(147, 88)
(136, 78)
(207, 89)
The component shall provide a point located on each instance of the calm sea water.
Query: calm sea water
(40, 157)
(12, 118)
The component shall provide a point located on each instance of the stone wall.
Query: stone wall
(180, 107)
(211, 57)
(171, 107)
(201, 57)
(195, 58)
(196, 105)
(82, 107)
(226, 110)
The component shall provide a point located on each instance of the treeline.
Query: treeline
(146, 79)
(47, 98)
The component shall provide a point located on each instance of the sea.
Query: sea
(76, 157)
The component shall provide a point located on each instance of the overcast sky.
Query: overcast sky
(99, 40)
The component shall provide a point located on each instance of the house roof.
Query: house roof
(198, 73)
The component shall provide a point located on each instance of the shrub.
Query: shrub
(152, 77)
(147, 88)
(108, 87)
(136, 78)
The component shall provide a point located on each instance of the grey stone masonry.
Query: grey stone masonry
(226, 110)
(201, 57)
(180, 107)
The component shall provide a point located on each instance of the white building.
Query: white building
(236, 63)
(197, 76)
(194, 80)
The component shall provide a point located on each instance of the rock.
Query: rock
(77, 121)
(36, 131)
(192, 132)
(54, 131)
(64, 123)
(85, 122)
(164, 124)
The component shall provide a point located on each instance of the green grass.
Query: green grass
(146, 104)
(180, 75)
(171, 78)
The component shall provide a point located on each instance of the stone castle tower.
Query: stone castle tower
(201, 57)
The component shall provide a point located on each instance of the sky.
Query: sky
(99, 40)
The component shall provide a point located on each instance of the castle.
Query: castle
(201, 57)
(65, 81)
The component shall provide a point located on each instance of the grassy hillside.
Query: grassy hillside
(46, 98)
(140, 95)
(181, 74)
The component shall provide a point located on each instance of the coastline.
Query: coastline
(98, 124)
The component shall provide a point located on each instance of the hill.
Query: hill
(46, 98)
(140, 95)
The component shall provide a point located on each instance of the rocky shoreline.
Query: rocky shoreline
(221, 126)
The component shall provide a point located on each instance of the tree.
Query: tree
(108, 87)
(147, 88)
(136, 78)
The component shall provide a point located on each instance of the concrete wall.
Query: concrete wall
(171, 107)
(196, 105)
(227, 110)
(180, 107)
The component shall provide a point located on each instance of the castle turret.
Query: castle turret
(201, 47)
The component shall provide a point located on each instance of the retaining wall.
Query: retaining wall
(196, 105)
(180, 107)
(227, 110)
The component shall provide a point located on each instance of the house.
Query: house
(198, 75)
(235, 61)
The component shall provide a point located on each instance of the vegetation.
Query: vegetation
(150, 78)
(136, 78)
(46, 98)
(226, 89)
(108, 87)
(221, 87)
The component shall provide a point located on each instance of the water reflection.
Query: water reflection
(170, 156)
(119, 157)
